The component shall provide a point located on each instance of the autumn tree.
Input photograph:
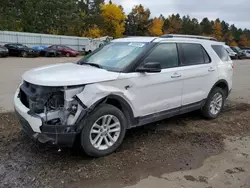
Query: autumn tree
(94, 32)
(156, 27)
(217, 30)
(172, 24)
(114, 20)
(138, 23)
(243, 40)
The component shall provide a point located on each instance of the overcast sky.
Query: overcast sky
(232, 11)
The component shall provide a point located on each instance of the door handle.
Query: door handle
(211, 69)
(176, 75)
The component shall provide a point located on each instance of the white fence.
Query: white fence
(34, 39)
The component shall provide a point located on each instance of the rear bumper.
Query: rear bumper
(35, 128)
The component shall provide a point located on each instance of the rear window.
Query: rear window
(193, 54)
(221, 52)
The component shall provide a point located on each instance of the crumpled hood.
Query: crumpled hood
(67, 74)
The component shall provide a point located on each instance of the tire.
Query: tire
(67, 54)
(24, 54)
(213, 112)
(96, 118)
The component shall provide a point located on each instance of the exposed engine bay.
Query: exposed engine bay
(55, 105)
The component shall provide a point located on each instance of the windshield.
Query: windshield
(21, 46)
(115, 56)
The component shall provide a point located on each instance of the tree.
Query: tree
(94, 32)
(244, 41)
(114, 18)
(156, 27)
(189, 26)
(217, 30)
(138, 22)
(172, 24)
(206, 27)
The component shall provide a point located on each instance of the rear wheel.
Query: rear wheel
(24, 54)
(104, 131)
(214, 103)
(67, 54)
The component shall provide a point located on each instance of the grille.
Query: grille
(24, 98)
(37, 98)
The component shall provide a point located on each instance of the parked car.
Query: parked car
(65, 50)
(16, 49)
(127, 83)
(239, 52)
(4, 52)
(231, 53)
(247, 53)
(39, 48)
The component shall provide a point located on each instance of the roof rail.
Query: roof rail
(188, 36)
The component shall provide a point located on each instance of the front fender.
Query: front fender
(94, 93)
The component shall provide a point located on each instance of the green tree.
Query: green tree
(172, 24)
(206, 27)
(138, 22)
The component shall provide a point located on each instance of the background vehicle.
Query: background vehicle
(231, 53)
(96, 43)
(16, 49)
(65, 50)
(127, 83)
(4, 52)
(247, 53)
(39, 48)
(240, 53)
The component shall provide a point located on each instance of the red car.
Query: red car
(65, 50)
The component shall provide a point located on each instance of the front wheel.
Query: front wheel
(214, 103)
(103, 131)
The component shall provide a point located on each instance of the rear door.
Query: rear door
(198, 72)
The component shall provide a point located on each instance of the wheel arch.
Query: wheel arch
(223, 84)
(116, 101)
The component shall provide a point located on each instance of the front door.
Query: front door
(156, 92)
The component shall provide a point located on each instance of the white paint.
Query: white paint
(68, 74)
(34, 122)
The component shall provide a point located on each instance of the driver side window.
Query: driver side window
(166, 54)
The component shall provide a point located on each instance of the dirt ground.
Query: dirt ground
(185, 151)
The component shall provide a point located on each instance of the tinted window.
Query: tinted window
(192, 54)
(206, 57)
(165, 54)
(221, 52)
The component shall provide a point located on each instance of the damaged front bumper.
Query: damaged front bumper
(36, 128)
(50, 134)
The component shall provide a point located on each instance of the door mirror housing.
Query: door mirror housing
(150, 67)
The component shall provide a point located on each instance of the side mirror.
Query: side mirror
(152, 67)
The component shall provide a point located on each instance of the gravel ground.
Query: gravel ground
(180, 143)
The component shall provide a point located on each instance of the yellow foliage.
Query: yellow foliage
(114, 17)
(94, 32)
(244, 41)
(233, 43)
(156, 27)
(217, 31)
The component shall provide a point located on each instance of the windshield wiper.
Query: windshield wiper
(92, 64)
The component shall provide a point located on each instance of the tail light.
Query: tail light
(232, 65)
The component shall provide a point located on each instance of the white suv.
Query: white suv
(127, 83)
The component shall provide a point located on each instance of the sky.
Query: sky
(235, 12)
